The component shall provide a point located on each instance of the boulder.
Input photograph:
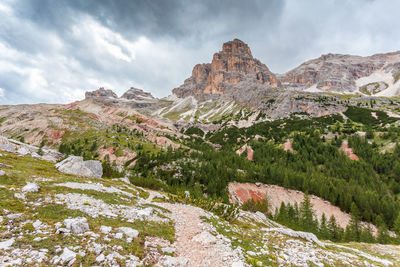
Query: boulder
(169, 261)
(68, 256)
(30, 187)
(129, 232)
(105, 229)
(77, 225)
(205, 238)
(2, 173)
(23, 151)
(4, 245)
(77, 166)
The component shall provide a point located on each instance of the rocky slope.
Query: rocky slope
(52, 218)
(373, 75)
(243, 192)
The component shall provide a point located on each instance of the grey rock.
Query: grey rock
(169, 261)
(30, 187)
(105, 229)
(77, 225)
(2, 165)
(75, 165)
(68, 256)
(129, 232)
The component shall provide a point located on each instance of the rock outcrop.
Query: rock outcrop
(75, 165)
(229, 67)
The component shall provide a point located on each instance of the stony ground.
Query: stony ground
(50, 218)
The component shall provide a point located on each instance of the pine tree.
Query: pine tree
(383, 234)
(353, 229)
(366, 235)
(323, 228)
(307, 221)
(396, 226)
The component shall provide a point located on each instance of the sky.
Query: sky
(52, 51)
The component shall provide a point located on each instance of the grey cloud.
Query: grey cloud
(62, 48)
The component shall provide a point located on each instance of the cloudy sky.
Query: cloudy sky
(54, 50)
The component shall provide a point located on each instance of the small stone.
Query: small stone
(100, 258)
(2, 173)
(205, 238)
(251, 253)
(37, 225)
(14, 216)
(168, 250)
(187, 194)
(174, 262)
(62, 230)
(237, 264)
(19, 196)
(119, 235)
(30, 187)
(105, 229)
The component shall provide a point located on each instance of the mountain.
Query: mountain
(238, 167)
(373, 75)
(233, 66)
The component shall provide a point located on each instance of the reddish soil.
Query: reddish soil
(287, 146)
(56, 135)
(242, 192)
(349, 152)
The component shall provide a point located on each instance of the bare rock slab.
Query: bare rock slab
(77, 166)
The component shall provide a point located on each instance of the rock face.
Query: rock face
(346, 73)
(231, 66)
(75, 165)
(101, 93)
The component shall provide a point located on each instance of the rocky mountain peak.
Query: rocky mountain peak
(233, 67)
(101, 93)
(137, 94)
(236, 47)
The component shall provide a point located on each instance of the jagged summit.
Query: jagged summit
(101, 93)
(236, 47)
(137, 94)
(233, 67)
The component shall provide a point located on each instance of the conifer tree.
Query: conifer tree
(396, 226)
(307, 220)
(323, 228)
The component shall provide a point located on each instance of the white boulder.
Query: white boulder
(6, 244)
(105, 229)
(30, 187)
(77, 225)
(129, 232)
(23, 151)
(68, 256)
(2, 173)
(205, 238)
(174, 261)
(100, 258)
(77, 166)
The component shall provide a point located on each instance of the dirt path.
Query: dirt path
(195, 240)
